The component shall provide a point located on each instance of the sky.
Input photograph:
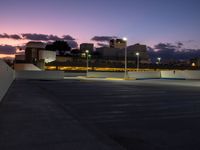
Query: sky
(147, 22)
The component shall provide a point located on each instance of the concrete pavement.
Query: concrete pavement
(101, 114)
(31, 119)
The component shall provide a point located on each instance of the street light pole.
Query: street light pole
(159, 59)
(138, 59)
(125, 59)
(87, 52)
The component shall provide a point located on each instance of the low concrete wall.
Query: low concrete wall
(144, 75)
(173, 74)
(41, 75)
(7, 76)
(137, 75)
(106, 74)
(190, 74)
(186, 74)
(20, 67)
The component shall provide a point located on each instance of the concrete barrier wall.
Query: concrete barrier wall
(20, 67)
(144, 75)
(137, 75)
(174, 74)
(106, 74)
(190, 74)
(177, 74)
(7, 76)
(186, 74)
(41, 75)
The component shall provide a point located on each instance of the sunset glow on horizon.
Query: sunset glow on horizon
(7, 56)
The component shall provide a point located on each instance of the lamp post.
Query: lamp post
(87, 52)
(125, 58)
(138, 59)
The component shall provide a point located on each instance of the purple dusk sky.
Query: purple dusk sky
(146, 21)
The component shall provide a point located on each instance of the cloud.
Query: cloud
(70, 40)
(165, 46)
(103, 44)
(72, 44)
(7, 49)
(4, 35)
(11, 36)
(103, 41)
(168, 51)
(15, 37)
(46, 37)
(37, 37)
(34, 36)
(68, 37)
(53, 38)
(102, 38)
(180, 44)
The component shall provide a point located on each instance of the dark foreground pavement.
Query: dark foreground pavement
(84, 114)
(31, 119)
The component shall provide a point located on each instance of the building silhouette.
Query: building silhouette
(118, 43)
(87, 46)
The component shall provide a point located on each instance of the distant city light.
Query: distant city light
(159, 59)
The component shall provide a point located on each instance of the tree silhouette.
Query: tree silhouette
(60, 46)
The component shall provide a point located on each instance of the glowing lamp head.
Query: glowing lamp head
(87, 51)
(125, 39)
(137, 54)
(193, 64)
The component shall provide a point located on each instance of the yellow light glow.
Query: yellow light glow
(73, 68)
(193, 64)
